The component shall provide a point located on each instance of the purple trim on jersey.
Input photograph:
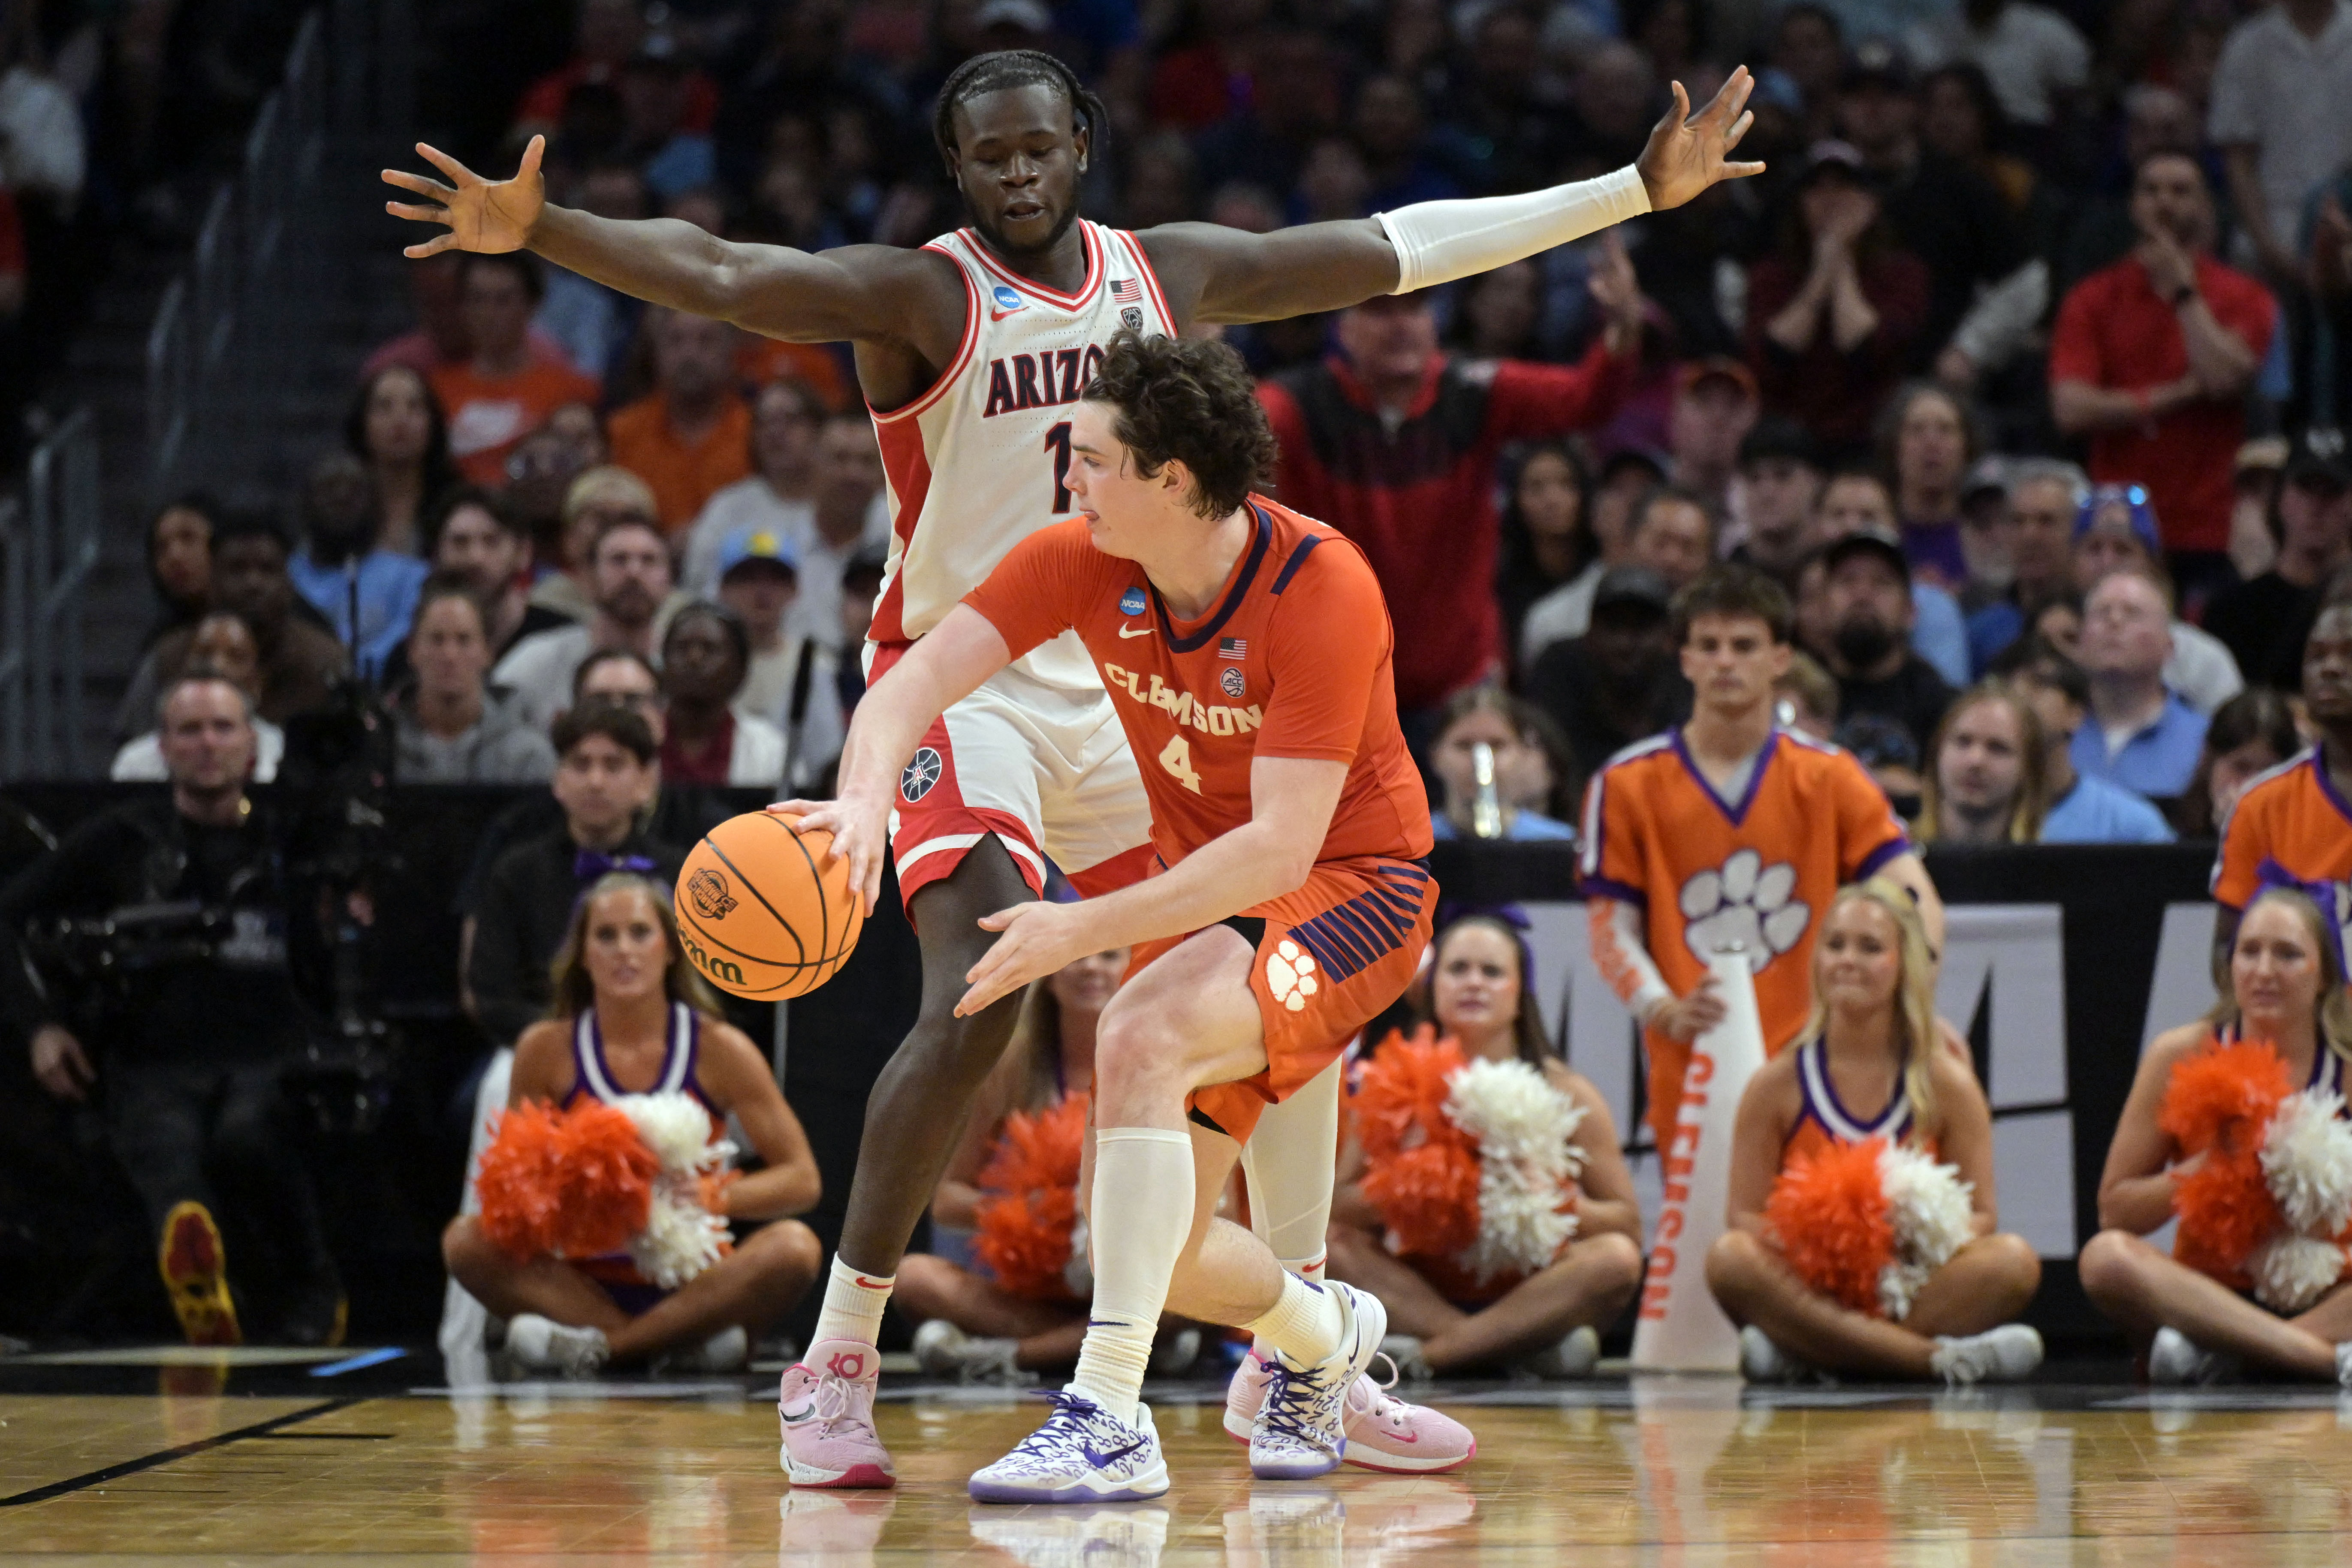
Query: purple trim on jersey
(1736, 815)
(1602, 887)
(1893, 848)
(691, 1083)
(1893, 1123)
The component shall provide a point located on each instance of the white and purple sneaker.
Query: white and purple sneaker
(825, 1405)
(1082, 1454)
(1384, 1433)
(1301, 1430)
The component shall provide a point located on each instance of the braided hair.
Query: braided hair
(1005, 70)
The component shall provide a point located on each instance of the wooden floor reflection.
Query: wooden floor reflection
(1671, 1473)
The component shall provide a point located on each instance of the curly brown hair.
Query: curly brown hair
(1192, 401)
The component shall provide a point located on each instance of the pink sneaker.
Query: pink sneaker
(1383, 1433)
(826, 1404)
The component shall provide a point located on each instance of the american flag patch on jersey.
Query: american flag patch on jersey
(1126, 291)
(1232, 648)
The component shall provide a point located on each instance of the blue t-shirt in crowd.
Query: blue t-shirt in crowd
(2096, 812)
(1938, 634)
(388, 588)
(1990, 631)
(1526, 827)
(2156, 760)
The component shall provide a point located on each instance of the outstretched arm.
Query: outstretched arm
(1215, 274)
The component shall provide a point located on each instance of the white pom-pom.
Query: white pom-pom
(1078, 1273)
(681, 1238)
(1929, 1207)
(675, 1127)
(1526, 1159)
(2307, 1163)
(2292, 1272)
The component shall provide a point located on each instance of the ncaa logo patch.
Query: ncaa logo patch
(920, 776)
(1231, 683)
(1131, 602)
(707, 890)
(1006, 299)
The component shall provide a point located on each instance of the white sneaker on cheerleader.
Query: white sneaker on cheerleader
(728, 1350)
(2344, 1364)
(1384, 1433)
(1301, 1429)
(1082, 1454)
(825, 1405)
(2175, 1361)
(542, 1344)
(1761, 1361)
(944, 1350)
(2005, 1355)
(1576, 1354)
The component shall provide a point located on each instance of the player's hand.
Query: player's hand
(1038, 939)
(1688, 1017)
(861, 837)
(482, 215)
(59, 1065)
(1686, 154)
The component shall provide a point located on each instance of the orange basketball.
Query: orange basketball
(763, 913)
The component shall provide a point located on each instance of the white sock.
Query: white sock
(1303, 1323)
(1289, 1164)
(853, 1305)
(1142, 1213)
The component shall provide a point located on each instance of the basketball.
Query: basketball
(763, 913)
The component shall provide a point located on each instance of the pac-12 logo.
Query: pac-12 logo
(920, 776)
(707, 889)
(1131, 602)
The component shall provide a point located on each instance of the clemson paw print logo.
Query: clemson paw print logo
(1290, 975)
(1748, 902)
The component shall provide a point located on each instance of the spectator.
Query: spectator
(2115, 531)
(2033, 58)
(1869, 605)
(2255, 481)
(1715, 406)
(1857, 501)
(1984, 780)
(1806, 697)
(675, 155)
(604, 778)
(367, 594)
(1490, 717)
(792, 683)
(180, 562)
(1547, 543)
(222, 648)
(442, 340)
(1342, 424)
(2263, 622)
(539, 472)
(1833, 307)
(499, 392)
(611, 33)
(861, 584)
(594, 500)
(2044, 498)
(479, 539)
(1619, 682)
(1779, 480)
(300, 663)
(708, 737)
(775, 496)
(849, 513)
(2253, 733)
(629, 567)
(450, 726)
(627, 679)
(2150, 359)
(2282, 115)
(2142, 735)
(398, 431)
(1927, 438)
(1809, 47)
(2294, 817)
(1984, 533)
(2083, 809)
(595, 323)
(691, 435)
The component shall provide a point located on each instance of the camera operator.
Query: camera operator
(185, 1052)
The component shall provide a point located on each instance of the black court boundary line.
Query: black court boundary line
(165, 1456)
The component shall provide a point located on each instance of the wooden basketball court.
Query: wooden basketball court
(164, 1457)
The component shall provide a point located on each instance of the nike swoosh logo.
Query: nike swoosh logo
(1103, 1461)
(1126, 632)
(795, 1417)
(870, 1284)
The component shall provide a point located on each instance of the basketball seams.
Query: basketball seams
(773, 913)
(824, 904)
(789, 978)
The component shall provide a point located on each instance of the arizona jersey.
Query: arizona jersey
(1291, 660)
(977, 463)
(2291, 818)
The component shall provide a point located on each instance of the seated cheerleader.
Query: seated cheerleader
(1013, 1180)
(1456, 1302)
(632, 1017)
(2242, 1287)
(1824, 1271)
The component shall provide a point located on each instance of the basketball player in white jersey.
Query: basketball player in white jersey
(968, 351)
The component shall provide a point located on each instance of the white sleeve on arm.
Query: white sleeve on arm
(1438, 242)
(1620, 950)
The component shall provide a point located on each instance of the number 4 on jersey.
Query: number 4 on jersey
(1177, 758)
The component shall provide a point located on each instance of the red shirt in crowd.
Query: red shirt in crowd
(1832, 394)
(1419, 499)
(2114, 334)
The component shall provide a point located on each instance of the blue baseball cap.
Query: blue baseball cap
(2120, 506)
(749, 543)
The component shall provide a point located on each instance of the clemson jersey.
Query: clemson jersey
(1291, 660)
(2293, 817)
(1824, 1123)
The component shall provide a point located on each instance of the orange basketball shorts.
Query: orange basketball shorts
(1332, 957)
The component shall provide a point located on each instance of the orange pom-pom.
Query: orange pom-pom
(1023, 1234)
(1830, 1216)
(1428, 1198)
(1419, 1170)
(2223, 1097)
(1399, 1099)
(575, 1183)
(2226, 1211)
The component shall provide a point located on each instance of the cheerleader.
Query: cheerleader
(972, 1325)
(1872, 1041)
(631, 1017)
(2194, 1314)
(1442, 1319)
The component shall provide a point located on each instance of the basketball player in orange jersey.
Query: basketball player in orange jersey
(971, 351)
(1247, 652)
(1729, 829)
(2299, 814)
